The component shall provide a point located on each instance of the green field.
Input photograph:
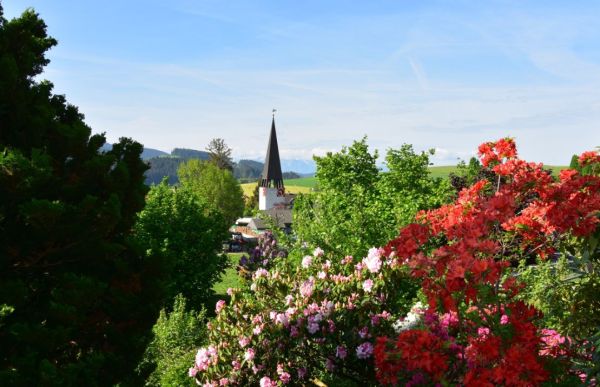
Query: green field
(445, 170)
(303, 185)
(307, 184)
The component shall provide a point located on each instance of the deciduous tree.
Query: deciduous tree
(215, 185)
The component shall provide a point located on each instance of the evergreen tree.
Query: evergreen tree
(77, 300)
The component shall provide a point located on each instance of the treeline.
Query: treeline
(166, 166)
(89, 255)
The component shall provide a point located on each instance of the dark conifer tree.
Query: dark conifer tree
(77, 301)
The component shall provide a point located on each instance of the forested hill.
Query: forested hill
(165, 164)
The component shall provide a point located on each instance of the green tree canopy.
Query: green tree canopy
(216, 186)
(178, 226)
(357, 206)
(77, 300)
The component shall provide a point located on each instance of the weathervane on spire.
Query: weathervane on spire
(274, 110)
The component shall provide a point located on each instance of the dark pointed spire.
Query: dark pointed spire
(271, 175)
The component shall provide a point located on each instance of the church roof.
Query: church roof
(272, 169)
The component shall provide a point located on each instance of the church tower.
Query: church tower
(271, 191)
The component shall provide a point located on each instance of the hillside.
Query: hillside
(167, 164)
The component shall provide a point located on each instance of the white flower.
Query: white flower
(412, 319)
(373, 261)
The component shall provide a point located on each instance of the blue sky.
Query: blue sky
(437, 74)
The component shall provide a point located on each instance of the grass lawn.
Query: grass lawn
(229, 279)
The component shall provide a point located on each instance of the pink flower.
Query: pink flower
(265, 381)
(364, 332)
(483, 332)
(368, 285)
(220, 305)
(313, 327)
(202, 359)
(236, 365)
(288, 299)
(306, 289)
(552, 341)
(230, 292)
(282, 319)
(294, 331)
(261, 273)
(347, 259)
(244, 341)
(257, 329)
(249, 355)
(375, 320)
(285, 377)
(306, 261)
(504, 319)
(192, 372)
(223, 382)
(372, 260)
(365, 350)
(341, 352)
(322, 275)
(318, 252)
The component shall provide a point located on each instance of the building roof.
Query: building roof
(271, 175)
(281, 216)
(257, 224)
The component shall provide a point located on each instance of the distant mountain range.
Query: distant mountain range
(166, 164)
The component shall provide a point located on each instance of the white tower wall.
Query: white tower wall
(268, 198)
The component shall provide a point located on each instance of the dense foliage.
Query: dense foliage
(324, 314)
(216, 186)
(262, 256)
(177, 334)
(477, 329)
(76, 300)
(182, 230)
(358, 206)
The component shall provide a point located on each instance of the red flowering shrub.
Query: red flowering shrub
(462, 252)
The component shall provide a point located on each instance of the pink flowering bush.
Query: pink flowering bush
(304, 318)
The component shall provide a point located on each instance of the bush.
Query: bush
(308, 316)
(176, 336)
(326, 314)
